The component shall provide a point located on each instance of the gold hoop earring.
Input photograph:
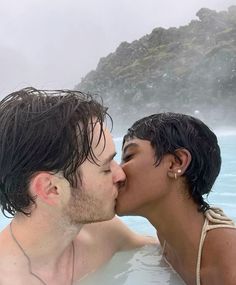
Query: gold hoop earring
(175, 176)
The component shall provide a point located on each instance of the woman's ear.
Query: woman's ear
(179, 163)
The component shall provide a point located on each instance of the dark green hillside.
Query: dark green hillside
(190, 69)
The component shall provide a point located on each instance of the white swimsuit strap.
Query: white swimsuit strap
(199, 255)
(219, 220)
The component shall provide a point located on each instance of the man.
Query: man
(57, 174)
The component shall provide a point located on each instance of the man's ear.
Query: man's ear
(44, 187)
(179, 163)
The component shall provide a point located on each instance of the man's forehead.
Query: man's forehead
(102, 143)
(109, 158)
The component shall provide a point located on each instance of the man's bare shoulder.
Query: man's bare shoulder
(97, 243)
(10, 264)
(4, 256)
(114, 234)
(5, 243)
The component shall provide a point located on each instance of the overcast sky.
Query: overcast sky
(53, 43)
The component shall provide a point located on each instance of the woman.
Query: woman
(171, 160)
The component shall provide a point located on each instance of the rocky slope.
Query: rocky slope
(191, 69)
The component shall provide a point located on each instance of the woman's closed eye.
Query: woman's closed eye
(127, 157)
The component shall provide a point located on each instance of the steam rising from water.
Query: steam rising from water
(223, 132)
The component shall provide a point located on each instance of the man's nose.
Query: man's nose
(118, 173)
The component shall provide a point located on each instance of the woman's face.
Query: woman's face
(146, 183)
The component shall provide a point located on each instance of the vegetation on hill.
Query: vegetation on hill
(191, 69)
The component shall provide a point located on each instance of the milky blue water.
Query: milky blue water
(145, 266)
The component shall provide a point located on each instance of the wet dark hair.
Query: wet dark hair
(44, 130)
(168, 132)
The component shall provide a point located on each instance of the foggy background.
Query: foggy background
(53, 44)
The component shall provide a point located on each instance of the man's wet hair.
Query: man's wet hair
(44, 130)
(168, 132)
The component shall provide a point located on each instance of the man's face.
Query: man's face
(95, 198)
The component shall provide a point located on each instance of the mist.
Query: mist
(53, 44)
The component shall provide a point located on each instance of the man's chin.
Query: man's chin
(99, 219)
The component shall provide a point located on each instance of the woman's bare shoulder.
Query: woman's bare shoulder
(220, 256)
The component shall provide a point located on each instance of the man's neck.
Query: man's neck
(45, 242)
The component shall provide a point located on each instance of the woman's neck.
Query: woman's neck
(178, 222)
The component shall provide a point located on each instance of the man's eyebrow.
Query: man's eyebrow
(129, 145)
(107, 160)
